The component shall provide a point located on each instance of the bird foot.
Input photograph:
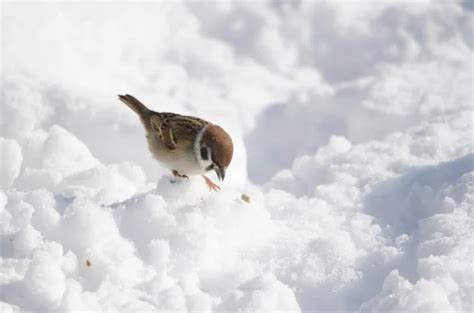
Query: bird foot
(177, 177)
(211, 184)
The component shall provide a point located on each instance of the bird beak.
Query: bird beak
(220, 171)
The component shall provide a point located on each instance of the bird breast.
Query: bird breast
(181, 159)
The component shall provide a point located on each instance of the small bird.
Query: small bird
(187, 145)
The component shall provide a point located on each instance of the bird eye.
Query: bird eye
(204, 154)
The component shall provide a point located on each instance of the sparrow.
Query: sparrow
(187, 145)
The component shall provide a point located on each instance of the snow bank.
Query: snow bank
(353, 130)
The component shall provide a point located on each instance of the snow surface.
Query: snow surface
(353, 129)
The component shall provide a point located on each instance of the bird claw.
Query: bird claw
(176, 174)
(211, 184)
(177, 177)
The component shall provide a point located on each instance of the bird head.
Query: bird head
(214, 150)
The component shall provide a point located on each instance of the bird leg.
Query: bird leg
(178, 177)
(176, 174)
(211, 184)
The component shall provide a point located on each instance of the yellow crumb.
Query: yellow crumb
(245, 198)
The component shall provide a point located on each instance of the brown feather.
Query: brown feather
(171, 138)
(221, 144)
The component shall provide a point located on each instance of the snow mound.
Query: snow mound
(181, 247)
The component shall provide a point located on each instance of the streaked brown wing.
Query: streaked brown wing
(175, 129)
(185, 127)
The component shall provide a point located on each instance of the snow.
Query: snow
(352, 125)
(11, 161)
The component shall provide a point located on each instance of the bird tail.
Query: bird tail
(134, 104)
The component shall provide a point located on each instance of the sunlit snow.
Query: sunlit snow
(352, 125)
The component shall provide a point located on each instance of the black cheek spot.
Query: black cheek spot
(204, 154)
(210, 167)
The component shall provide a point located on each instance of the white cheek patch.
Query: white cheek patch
(205, 163)
(197, 151)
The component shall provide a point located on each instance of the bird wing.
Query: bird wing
(176, 130)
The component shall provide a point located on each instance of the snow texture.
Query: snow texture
(352, 124)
